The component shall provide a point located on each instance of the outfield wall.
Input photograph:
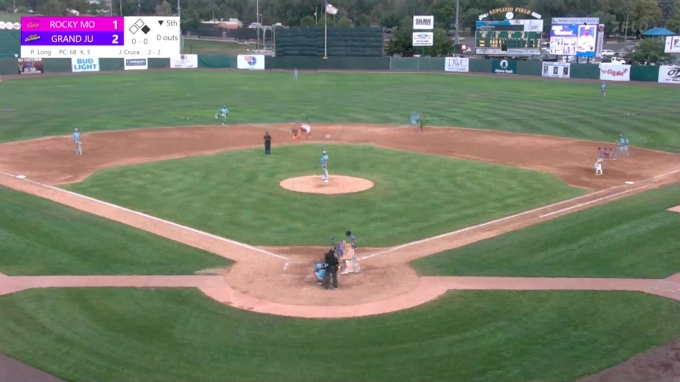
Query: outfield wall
(502, 68)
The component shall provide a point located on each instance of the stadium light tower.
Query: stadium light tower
(457, 15)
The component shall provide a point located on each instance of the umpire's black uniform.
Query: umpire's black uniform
(267, 143)
(331, 270)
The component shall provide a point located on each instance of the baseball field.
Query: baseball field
(489, 249)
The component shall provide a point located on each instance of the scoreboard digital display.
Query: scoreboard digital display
(573, 40)
(100, 37)
(515, 37)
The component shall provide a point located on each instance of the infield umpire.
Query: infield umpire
(267, 143)
(331, 262)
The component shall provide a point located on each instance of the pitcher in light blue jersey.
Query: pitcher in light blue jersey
(324, 166)
(77, 142)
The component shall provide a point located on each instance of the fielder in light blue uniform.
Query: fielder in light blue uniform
(324, 166)
(224, 112)
(77, 142)
(621, 148)
(603, 88)
(295, 74)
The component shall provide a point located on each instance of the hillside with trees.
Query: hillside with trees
(641, 14)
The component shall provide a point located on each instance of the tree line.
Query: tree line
(640, 14)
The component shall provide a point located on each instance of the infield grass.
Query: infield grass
(180, 335)
(54, 106)
(632, 237)
(237, 194)
(40, 237)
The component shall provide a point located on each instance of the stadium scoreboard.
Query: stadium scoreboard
(100, 37)
(515, 37)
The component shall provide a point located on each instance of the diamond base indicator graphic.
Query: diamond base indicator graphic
(100, 37)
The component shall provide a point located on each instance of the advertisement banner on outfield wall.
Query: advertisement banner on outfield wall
(504, 67)
(136, 64)
(251, 62)
(614, 72)
(556, 69)
(30, 65)
(457, 64)
(185, 61)
(79, 65)
(669, 75)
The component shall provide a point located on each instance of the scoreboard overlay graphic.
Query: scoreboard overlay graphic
(100, 37)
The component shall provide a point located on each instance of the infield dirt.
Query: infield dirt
(278, 280)
(286, 278)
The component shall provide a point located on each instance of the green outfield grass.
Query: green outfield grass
(633, 237)
(40, 237)
(179, 335)
(237, 194)
(54, 106)
(214, 47)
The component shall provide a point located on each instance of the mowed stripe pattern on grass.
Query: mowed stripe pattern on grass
(636, 237)
(40, 237)
(559, 108)
(178, 335)
(237, 194)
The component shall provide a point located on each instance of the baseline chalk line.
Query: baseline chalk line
(243, 245)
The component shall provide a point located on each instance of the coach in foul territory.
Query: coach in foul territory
(267, 143)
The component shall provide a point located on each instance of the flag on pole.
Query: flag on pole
(330, 9)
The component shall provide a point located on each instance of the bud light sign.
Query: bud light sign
(250, 62)
(84, 65)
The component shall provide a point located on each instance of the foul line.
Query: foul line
(592, 201)
(480, 225)
(517, 215)
(666, 174)
(153, 218)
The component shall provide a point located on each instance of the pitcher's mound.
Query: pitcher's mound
(337, 184)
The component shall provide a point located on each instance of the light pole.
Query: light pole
(179, 16)
(120, 3)
(457, 15)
